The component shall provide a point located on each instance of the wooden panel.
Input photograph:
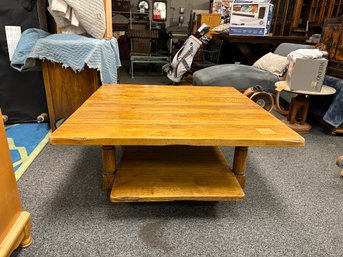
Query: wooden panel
(275, 16)
(297, 13)
(162, 115)
(284, 17)
(174, 173)
(108, 18)
(66, 90)
(14, 223)
(210, 19)
(10, 206)
(260, 40)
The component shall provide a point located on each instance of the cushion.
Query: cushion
(237, 75)
(273, 63)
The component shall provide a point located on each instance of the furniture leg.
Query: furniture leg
(132, 69)
(108, 168)
(27, 240)
(297, 114)
(239, 164)
(49, 95)
(4, 118)
(293, 111)
(248, 54)
(304, 111)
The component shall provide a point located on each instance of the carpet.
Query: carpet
(25, 141)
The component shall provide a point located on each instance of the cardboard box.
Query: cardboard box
(250, 18)
(306, 74)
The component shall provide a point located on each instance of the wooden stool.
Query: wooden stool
(299, 105)
(297, 114)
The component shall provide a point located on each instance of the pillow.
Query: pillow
(273, 63)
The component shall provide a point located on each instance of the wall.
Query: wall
(173, 7)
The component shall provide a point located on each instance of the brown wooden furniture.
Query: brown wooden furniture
(339, 163)
(170, 137)
(65, 89)
(211, 19)
(246, 44)
(297, 115)
(332, 41)
(299, 106)
(292, 17)
(15, 223)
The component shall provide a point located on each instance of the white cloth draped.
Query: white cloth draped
(79, 16)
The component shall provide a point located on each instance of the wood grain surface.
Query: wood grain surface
(172, 173)
(67, 90)
(15, 224)
(165, 115)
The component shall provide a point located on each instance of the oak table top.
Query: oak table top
(172, 115)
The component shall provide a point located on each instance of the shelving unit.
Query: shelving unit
(138, 20)
(294, 17)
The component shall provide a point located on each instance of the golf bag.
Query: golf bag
(183, 59)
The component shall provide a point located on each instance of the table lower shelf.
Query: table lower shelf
(174, 173)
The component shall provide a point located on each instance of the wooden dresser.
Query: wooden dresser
(211, 19)
(15, 223)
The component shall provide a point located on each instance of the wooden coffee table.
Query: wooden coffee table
(170, 136)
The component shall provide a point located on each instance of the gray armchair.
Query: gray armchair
(242, 76)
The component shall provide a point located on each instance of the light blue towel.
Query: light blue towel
(70, 50)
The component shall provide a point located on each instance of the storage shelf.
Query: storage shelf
(174, 173)
(134, 12)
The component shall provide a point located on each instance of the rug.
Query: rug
(26, 140)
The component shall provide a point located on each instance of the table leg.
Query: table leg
(239, 164)
(248, 54)
(108, 168)
(131, 66)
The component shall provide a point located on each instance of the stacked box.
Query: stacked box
(306, 74)
(251, 17)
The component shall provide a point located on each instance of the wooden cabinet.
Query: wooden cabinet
(14, 222)
(319, 11)
(67, 90)
(210, 19)
(292, 17)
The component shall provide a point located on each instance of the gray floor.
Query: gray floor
(143, 74)
(293, 207)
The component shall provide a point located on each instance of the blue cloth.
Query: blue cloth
(334, 115)
(70, 50)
